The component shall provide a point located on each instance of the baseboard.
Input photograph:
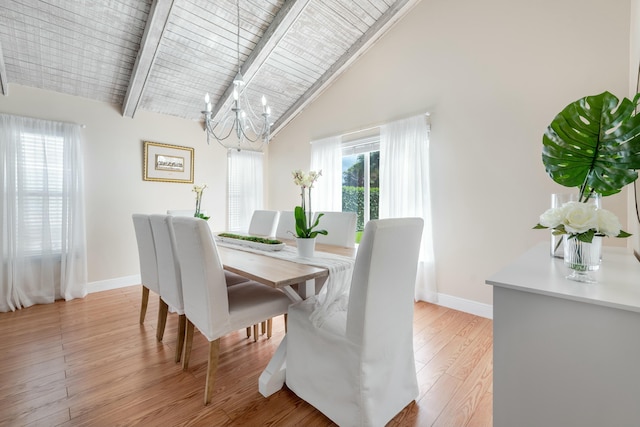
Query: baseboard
(119, 282)
(468, 306)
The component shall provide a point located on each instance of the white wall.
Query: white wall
(113, 153)
(493, 74)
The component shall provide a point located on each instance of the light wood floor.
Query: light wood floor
(88, 362)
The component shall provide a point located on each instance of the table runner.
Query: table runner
(334, 295)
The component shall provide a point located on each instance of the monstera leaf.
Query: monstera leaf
(594, 144)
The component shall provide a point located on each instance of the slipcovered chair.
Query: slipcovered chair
(358, 366)
(211, 306)
(182, 212)
(169, 278)
(148, 263)
(286, 224)
(232, 278)
(263, 223)
(341, 227)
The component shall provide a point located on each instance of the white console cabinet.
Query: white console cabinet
(566, 354)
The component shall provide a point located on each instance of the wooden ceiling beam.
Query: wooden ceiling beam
(4, 82)
(151, 38)
(284, 19)
(386, 21)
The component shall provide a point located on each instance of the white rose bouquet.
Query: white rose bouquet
(581, 221)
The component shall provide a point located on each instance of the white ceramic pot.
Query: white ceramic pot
(306, 247)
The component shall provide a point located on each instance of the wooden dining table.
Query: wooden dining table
(298, 280)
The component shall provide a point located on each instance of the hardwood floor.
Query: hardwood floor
(88, 362)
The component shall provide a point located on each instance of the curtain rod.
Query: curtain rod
(376, 126)
(82, 125)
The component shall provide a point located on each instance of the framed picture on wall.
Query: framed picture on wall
(167, 163)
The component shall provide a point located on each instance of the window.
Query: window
(360, 179)
(245, 182)
(41, 199)
(42, 226)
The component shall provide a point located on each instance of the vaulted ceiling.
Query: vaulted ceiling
(162, 56)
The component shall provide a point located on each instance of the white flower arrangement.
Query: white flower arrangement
(198, 189)
(304, 226)
(582, 221)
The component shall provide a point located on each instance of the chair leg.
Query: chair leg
(249, 332)
(269, 328)
(285, 323)
(182, 321)
(212, 367)
(255, 332)
(144, 303)
(162, 319)
(188, 343)
(263, 327)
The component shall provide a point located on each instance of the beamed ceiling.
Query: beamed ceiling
(162, 56)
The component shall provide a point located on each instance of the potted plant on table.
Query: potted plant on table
(305, 226)
(199, 189)
(592, 144)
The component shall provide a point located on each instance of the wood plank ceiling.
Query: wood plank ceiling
(162, 56)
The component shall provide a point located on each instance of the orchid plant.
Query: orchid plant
(304, 225)
(199, 189)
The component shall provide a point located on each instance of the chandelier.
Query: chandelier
(249, 129)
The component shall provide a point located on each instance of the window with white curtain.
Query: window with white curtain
(394, 157)
(245, 187)
(42, 226)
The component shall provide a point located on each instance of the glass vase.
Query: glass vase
(557, 200)
(582, 258)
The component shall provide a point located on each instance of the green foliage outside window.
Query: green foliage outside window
(353, 201)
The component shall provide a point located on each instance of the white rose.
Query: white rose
(580, 217)
(608, 223)
(552, 217)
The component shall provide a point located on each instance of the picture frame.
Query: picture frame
(168, 163)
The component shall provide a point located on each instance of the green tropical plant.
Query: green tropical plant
(594, 144)
(304, 227)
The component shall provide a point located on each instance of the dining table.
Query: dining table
(298, 278)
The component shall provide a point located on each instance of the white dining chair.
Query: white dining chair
(358, 367)
(286, 225)
(181, 212)
(169, 278)
(211, 306)
(341, 228)
(231, 278)
(263, 223)
(147, 258)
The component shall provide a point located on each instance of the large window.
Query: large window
(360, 179)
(42, 227)
(245, 193)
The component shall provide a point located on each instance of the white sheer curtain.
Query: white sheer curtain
(405, 189)
(41, 212)
(326, 155)
(246, 180)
